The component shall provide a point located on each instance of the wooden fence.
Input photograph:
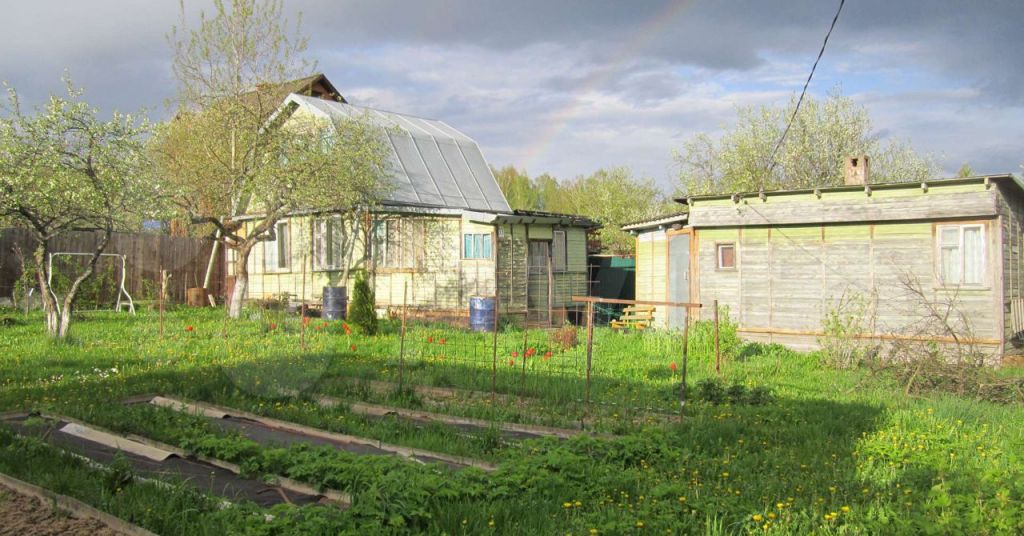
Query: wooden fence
(146, 254)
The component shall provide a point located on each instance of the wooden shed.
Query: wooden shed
(781, 261)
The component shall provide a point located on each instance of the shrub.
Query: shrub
(844, 323)
(565, 337)
(362, 313)
(711, 390)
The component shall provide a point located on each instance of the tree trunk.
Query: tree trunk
(41, 255)
(241, 280)
(69, 299)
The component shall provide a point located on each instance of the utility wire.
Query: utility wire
(792, 117)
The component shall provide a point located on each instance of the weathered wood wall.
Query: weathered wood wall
(147, 253)
(1011, 217)
(787, 278)
(652, 271)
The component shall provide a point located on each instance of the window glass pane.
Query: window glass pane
(282, 245)
(726, 256)
(467, 246)
(558, 254)
(486, 253)
(337, 243)
(974, 256)
(270, 255)
(949, 236)
(949, 257)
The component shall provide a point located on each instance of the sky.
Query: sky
(571, 86)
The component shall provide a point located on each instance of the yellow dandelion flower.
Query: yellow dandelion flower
(757, 517)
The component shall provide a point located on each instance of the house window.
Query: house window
(727, 256)
(329, 243)
(476, 246)
(398, 243)
(961, 255)
(276, 252)
(559, 258)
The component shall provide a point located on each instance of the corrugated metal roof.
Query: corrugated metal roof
(432, 164)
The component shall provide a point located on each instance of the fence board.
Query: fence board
(185, 258)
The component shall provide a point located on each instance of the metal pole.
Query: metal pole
(522, 374)
(401, 347)
(302, 308)
(163, 290)
(590, 346)
(494, 347)
(718, 352)
(686, 358)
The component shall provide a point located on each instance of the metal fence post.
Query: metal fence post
(590, 346)
(401, 346)
(718, 352)
(494, 349)
(686, 358)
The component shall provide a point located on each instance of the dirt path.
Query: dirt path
(26, 516)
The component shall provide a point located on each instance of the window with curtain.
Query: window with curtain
(399, 243)
(476, 246)
(961, 254)
(559, 255)
(726, 256)
(276, 253)
(329, 241)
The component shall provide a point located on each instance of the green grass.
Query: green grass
(833, 452)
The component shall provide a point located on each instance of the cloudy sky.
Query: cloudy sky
(570, 86)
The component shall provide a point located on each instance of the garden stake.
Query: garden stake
(718, 353)
(401, 346)
(590, 345)
(686, 357)
(522, 376)
(163, 292)
(494, 347)
(302, 308)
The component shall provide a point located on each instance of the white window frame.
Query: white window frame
(282, 249)
(939, 269)
(719, 259)
(475, 256)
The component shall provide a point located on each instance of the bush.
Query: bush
(362, 313)
(713, 391)
(565, 338)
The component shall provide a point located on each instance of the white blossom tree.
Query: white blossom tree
(64, 169)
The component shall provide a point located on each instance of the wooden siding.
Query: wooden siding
(1011, 221)
(443, 281)
(652, 271)
(788, 277)
(948, 201)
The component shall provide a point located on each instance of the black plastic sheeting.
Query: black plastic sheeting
(267, 435)
(207, 478)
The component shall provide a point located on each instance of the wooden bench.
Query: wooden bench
(634, 317)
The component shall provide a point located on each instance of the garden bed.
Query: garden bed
(155, 461)
(268, 431)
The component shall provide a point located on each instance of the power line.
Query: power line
(771, 166)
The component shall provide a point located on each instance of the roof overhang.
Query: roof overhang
(736, 197)
(659, 222)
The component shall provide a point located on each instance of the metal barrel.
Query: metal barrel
(335, 303)
(481, 313)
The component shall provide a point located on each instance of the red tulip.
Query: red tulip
(672, 366)
(511, 362)
(305, 321)
(353, 348)
(430, 340)
(531, 352)
(273, 326)
(515, 354)
(189, 328)
(441, 341)
(348, 330)
(547, 355)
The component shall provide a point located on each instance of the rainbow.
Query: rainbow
(558, 120)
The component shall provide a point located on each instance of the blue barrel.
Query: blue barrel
(335, 303)
(481, 313)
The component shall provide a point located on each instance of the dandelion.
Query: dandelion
(639, 524)
(845, 509)
(757, 517)
(567, 505)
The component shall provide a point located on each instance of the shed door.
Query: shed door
(678, 278)
(538, 300)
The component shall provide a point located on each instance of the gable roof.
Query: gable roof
(433, 165)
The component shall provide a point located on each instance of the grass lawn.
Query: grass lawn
(830, 452)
